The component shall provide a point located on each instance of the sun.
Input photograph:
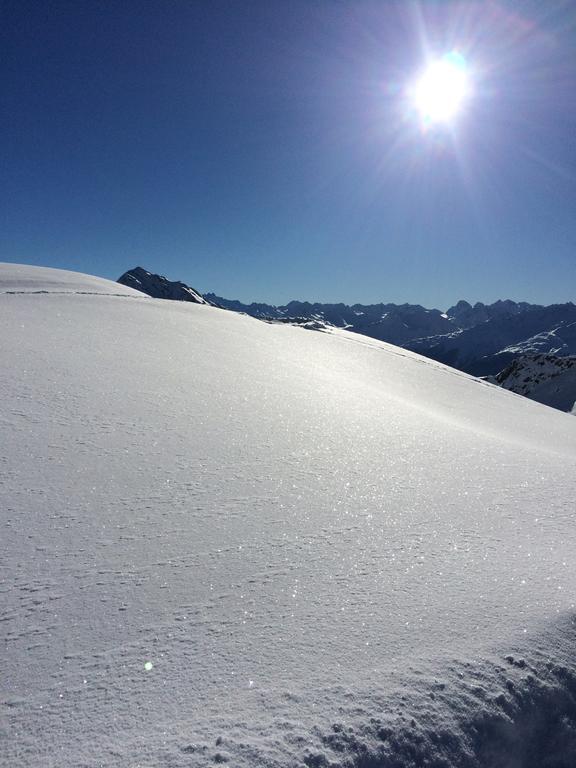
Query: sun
(442, 90)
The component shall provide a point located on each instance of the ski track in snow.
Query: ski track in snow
(68, 293)
(228, 542)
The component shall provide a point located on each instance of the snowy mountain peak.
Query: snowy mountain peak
(159, 287)
(460, 307)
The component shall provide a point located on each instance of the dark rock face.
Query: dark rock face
(159, 287)
(526, 373)
(548, 379)
(467, 316)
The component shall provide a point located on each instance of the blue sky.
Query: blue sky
(263, 150)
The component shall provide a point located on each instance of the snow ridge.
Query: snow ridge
(22, 278)
(232, 542)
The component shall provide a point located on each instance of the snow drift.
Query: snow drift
(225, 541)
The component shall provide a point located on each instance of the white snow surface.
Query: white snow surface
(227, 541)
(22, 278)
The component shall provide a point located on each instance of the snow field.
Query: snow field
(226, 541)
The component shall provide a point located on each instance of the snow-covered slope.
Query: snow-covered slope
(22, 278)
(226, 541)
(480, 339)
(546, 379)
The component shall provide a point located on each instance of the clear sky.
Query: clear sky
(265, 150)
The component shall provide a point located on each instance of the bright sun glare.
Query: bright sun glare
(442, 89)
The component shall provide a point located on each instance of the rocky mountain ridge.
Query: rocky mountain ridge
(159, 287)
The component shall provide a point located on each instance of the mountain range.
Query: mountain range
(480, 339)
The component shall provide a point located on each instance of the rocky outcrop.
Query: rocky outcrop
(548, 379)
(159, 287)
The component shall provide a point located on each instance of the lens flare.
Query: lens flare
(442, 90)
